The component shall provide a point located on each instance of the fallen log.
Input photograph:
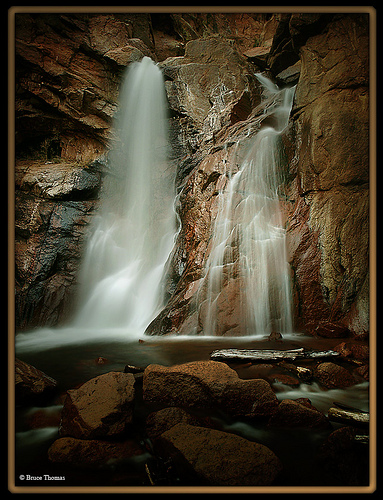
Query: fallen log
(356, 418)
(269, 354)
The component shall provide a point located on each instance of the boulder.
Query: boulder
(102, 407)
(208, 385)
(292, 413)
(258, 55)
(32, 386)
(209, 456)
(160, 421)
(358, 352)
(333, 376)
(363, 371)
(290, 75)
(332, 330)
(343, 459)
(92, 453)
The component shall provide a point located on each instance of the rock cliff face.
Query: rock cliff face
(328, 225)
(68, 69)
(326, 193)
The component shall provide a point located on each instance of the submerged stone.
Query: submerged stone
(297, 414)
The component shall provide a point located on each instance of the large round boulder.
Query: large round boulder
(218, 458)
(208, 385)
(102, 407)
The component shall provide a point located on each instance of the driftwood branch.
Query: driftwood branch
(362, 438)
(269, 354)
(305, 374)
(349, 416)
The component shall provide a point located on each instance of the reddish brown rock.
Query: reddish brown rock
(162, 420)
(54, 203)
(332, 330)
(92, 453)
(32, 386)
(334, 376)
(282, 378)
(208, 384)
(329, 163)
(68, 74)
(298, 414)
(206, 84)
(348, 350)
(258, 55)
(102, 407)
(217, 458)
(363, 371)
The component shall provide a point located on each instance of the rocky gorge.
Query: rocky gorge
(187, 419)
(68, 69)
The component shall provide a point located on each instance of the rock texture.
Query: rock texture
(32, 386)
(92, 453)
(68, 73)
(295, 414)
(205, 453)
(162, 420)
(54, 204)
(331, 375)
(202, 442)
(328, 225)
(102, 407)
(69, 66)
(208, 384)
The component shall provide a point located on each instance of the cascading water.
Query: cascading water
(247, 263)
(133, 233)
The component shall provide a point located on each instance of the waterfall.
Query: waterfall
(246, 288)
(133, 232)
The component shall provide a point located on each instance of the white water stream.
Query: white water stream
(249, 221)
(133, 233)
